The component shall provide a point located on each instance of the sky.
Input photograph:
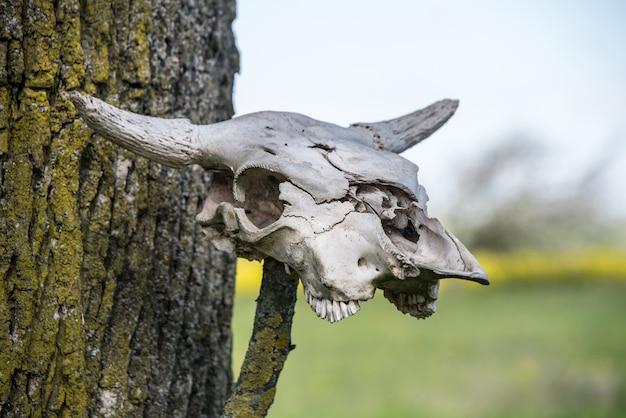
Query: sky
(550, 71)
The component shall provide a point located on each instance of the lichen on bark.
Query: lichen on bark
(111, 301)
(269, 345)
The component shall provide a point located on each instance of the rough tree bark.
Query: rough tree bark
(269, 344)
(111, 301)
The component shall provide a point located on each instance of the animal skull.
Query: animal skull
(337, 205)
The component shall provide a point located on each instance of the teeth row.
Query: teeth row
(333, 310)
(412, 304)
(406, 299)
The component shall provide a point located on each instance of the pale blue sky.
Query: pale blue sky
(552, 70)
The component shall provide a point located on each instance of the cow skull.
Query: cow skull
(337, 205)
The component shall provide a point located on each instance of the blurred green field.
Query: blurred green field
(538, 349)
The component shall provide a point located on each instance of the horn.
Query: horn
(399, 134)
(172, 142)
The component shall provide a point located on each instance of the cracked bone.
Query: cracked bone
(337, 205)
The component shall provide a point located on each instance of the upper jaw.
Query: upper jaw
(415, 296)
(419, 303)
(330, 309)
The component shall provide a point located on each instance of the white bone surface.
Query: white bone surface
(337, 205)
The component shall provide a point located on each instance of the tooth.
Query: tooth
(354, 306)
(330, 315)
(432, 306)
(329, 310)
(328, 307)
(337, 310)
(421, 299)
(433, 291)
(345, 312)
(321, 305)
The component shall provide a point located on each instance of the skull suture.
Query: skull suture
(338, 205)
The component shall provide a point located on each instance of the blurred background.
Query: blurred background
(529, 174)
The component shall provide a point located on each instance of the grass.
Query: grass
(548, 349)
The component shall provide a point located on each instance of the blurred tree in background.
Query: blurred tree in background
(507, 200)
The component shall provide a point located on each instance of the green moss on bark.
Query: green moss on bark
(269, 345)
(105, 305)
(41, 44)
(71, 53)
(97, 18)
(4, 74)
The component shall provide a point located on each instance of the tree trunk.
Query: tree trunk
(269, 346)
(111, 302)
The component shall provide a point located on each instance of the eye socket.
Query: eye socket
(262, 205)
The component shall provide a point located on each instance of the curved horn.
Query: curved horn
(173, 142)
(399, 134)
(235, 143)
